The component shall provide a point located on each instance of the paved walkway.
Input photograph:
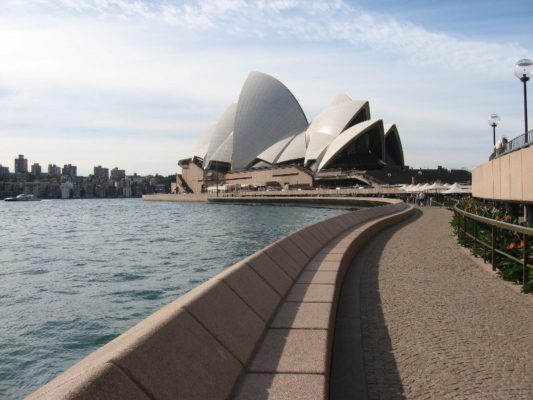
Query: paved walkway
(435, 325)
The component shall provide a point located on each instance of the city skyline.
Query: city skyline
(44, 168)
(95, 82)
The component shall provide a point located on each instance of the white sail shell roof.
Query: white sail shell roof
(224, 151)
(223, 129)
(341, 141)
(340, 98)
(202, 145)
(295, 149)
(393, 144)
(271, 154)
(267, 112)
(329, 124)
(267, 124)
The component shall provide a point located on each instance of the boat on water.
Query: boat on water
(23, 197)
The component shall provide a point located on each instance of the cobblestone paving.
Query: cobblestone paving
(436, 326)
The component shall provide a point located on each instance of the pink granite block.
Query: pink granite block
(292, 350)
(348, 239)
(180, 359)
(312, 293)
(318, 277)
(309, 238)
(327, 228)
(302, 243)
(302, 316)
(251, 288)
(323, 266)
(271, 272)
(318, 233)
(103, 381)
(334, 249)
(322, 253)
(358, 217)
(282, 387)
(335, 226)
(341, 219)
(328, 257)
(347, 219)
(284, 260)
(228, 318)
(293, 249)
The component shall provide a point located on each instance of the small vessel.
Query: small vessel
(23, 197)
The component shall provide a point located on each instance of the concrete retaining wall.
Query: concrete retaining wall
(506, 178)
(204, 344)
(188, 197)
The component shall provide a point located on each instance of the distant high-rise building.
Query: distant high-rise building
(54, 170)
(101, 173)
(117, 174)
(70, 170)
(36, 169)
(4, 173)
(21, 165)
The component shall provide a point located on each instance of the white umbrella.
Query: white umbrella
(437, 187)
(457, 189)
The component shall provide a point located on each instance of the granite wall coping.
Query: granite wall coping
(260, 325)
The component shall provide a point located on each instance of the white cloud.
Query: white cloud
(319, 21)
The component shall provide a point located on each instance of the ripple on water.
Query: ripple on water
(79, 264)
(95, 268)
(141, 294)
(162, 240)
(65, 292)
(37, 271)
(85, 340)
(127, 277)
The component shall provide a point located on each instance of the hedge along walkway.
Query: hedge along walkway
(433, 323)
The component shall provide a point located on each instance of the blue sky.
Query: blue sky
(134, 84)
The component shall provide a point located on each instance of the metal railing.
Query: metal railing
(516, 144)
(477, 223)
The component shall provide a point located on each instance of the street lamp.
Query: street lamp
(494, 120)
(523, 70)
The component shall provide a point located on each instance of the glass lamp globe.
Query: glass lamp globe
(523, 69)
(494, 120)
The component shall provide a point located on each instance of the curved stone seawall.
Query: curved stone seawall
(219, 340)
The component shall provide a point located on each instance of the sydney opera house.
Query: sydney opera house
(265, 139)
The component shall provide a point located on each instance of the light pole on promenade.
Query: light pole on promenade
(523, 70)
(494, 120)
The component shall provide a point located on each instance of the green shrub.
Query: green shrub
(506, 241)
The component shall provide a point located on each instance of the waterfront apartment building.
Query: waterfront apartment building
(21, 165)
(70, 170)
(4, 173)
(117, 174)
(54, 170)
(36, 169)
(101, 173)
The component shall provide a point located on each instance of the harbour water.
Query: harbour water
(76, 274)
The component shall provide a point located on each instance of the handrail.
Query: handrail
(525, 231)
(505, 225)
(515, 144)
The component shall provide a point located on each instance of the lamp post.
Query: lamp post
(494, 120)
(523, 70)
